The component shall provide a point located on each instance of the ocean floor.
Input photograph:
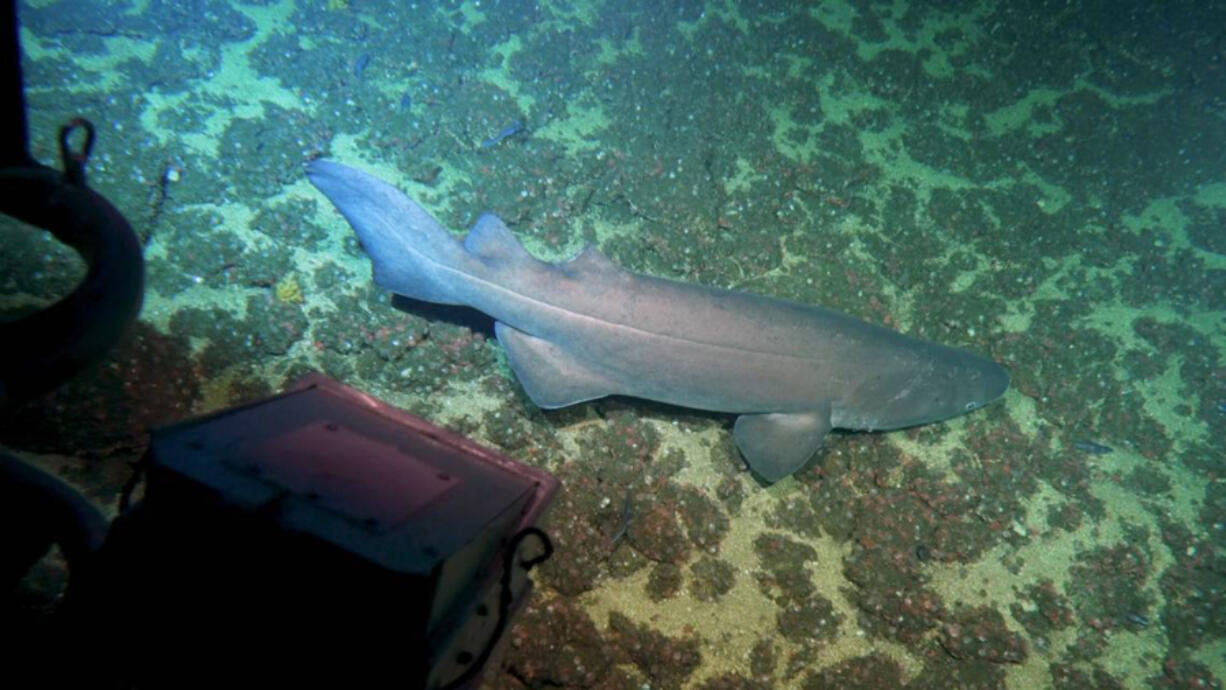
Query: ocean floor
(1040, 182)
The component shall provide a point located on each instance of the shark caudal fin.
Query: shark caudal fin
(412, 254)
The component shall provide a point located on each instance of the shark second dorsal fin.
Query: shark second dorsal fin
(588, 262)
(590, 259)
(491, 240)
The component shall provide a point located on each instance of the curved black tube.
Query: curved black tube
(14, 129)
(42, 350)
(37, 510)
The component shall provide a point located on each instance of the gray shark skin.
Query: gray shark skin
(586, 328)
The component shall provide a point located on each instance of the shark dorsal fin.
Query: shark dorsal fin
(587, 262)
(491, 239)
(590, 259)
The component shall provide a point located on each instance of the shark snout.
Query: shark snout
(980, 381)
(953, 382)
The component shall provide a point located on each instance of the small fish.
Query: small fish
(623, 522)
(1221, 406)
(406, 101)
(359, 65)
(1093, 448)
(1138, 620)
(505, 133)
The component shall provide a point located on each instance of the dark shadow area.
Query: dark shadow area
(455, 314)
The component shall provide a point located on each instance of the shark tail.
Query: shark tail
(412, 253)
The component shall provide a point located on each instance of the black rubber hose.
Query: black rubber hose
(43, 349)
(37, 510)
(14, 130)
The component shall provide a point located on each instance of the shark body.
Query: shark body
(586, 328)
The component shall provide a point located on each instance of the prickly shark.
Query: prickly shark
(585, 328)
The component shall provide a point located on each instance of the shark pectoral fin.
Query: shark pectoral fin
(550, 375)
(777, 444)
